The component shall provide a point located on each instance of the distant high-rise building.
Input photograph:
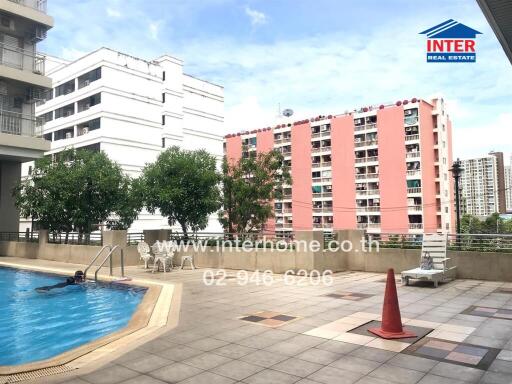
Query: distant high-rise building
(483, 185)
(381, 168)
(508, 187)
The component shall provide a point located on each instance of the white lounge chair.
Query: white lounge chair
(144, 253)
(163, 257)
(433, 246)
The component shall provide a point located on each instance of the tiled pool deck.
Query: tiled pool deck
(301, 333)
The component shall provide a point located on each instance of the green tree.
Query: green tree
(183, 186)
(249, 188)
(78, 190)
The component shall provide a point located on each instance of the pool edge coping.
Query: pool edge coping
(158, 309)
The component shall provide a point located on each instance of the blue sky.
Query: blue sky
(314, 56)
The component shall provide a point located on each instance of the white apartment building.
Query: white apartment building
(131, 109)
(480, 181)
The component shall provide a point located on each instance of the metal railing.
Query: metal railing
(20, 58)
(457, 242)
(414, 190)
(255, 239)
(29, 237)
(410, 155)
(39, 5)
(412, 137)
(133, 238)
(75, 238)
(15, 123)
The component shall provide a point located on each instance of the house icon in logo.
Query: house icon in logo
(451, 42)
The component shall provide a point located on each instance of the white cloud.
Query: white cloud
(114, 13)
(257, 17)
(154, 28)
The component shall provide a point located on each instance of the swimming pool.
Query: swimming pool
(36, 326)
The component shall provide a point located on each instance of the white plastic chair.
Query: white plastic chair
(433, 245)
(144, 253)
(162, 256)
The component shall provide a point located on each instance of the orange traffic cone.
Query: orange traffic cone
(391, 327)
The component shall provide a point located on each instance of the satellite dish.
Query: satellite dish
(287, 112)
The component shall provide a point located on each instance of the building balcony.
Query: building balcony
(320, 134)
(366, 143)
(22, 65)
(414, 172)
(362, 225)
(39, 5)
(412, 137)
(367, 176)
(323, 210)
(410, 155)
(322, 194)
(320, 149)
(366, 192)
(367, 159)
(416, 208)
(415, 226)
(33, 10)
(15, 123)
(374, 208)
(414, 190)
(321, 165)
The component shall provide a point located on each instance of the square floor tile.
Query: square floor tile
(495, 313)
(468, 355)
(354, 338)
(353, 296)
(388, 345)
(269, 318)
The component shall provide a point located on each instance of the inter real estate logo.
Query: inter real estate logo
(451, 42)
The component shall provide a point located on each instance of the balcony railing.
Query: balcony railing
(362, 225)
(15, 123)
(321, 149)
(409, 155)
(415, 226)
(415, 208)
(367, 176)
(15, 57)
(374, 208)
(366, 143)
(367, 192)
(414, 190)
(320, 134)
(412, 137)
(367, 159)
(413, 172)
(40, 5)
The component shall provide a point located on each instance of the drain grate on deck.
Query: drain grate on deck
(32, 375)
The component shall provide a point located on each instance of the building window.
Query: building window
(163, 75)
(66, 133)
(65, 111)
(48, 136)
(163, 97)
(163, 119)
(88, 102)
(47, 117)
(88, 126)
(65, 88)
(89, 77)
(163, 142)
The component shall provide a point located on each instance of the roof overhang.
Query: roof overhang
(499, 15)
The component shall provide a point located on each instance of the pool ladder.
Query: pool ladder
(111, 249)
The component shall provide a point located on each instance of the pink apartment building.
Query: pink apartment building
(382, 168)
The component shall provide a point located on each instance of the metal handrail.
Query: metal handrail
(96, 258)
(109, 257)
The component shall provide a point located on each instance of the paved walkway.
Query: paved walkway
(274, 344)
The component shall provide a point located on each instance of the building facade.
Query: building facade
(383, 168)
(131, 109)
(22, 81)
(508, 188)
(483, 185)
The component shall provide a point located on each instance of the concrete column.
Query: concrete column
(356, 257)
(10, 173)
(152, 235)
(43, 237)
(118, 237)
(309, 246)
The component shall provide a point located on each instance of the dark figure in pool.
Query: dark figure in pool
(78, 278)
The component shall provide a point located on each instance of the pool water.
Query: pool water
(36, 326)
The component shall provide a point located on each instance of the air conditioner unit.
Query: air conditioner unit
(408, 129)
(39, 34)
(69, 135)
(86, 83)
(68, 113)
(85, 130)
(408, 112)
